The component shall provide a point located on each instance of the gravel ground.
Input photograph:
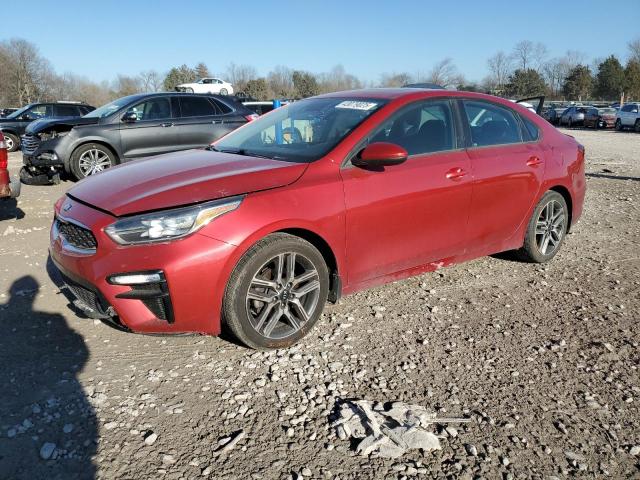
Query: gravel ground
(542, 359)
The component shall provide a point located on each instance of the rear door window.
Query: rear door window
(197, 107)
(491, 124)
(66, 111)
(222, 107)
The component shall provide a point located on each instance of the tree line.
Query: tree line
(26, 76)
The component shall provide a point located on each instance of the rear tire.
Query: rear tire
(91, 159)
(546, 230)
(224, 91)
(265, 305)
(12, 141)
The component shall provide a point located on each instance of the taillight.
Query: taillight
(252, 117)
(4, 159)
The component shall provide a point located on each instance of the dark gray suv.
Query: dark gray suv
(126, 129)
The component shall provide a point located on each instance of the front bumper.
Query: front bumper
(192, 267)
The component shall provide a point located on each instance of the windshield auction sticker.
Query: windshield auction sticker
(353, 105)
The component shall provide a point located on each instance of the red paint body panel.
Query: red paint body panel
(182, 178)
(381, 225)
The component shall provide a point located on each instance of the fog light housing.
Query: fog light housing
(148, 287)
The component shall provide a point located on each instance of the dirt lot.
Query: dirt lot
(543, 359)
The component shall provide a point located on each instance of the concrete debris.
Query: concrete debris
(388, 430)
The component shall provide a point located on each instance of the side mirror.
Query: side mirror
(130, 117)
(25, 117)
(380, 154)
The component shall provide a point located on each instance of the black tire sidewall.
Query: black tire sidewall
(74, 163)
(530, 248)
(234, 306)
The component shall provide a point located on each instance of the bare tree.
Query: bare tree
(338, 79)
(240, 75)
(150, 81)
(395, 79)
(24, 72)
(125, 85)
(280, 81)
(445, 73)
(634, 49)
(500, 66)
(528, 54)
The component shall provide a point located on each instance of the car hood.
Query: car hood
(43, 124)
(9, 121)
(182, 178)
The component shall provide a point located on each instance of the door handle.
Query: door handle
(455, 173)
(166, 125)
(534, 161)
(216, 122)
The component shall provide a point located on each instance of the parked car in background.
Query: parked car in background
(628, 117)
(574, 116)
(261, 107)
(4, 112)
(600, 117)
(8, 188)
(15, 124)
(553, 114)
(258, 231)
(207, 85)
(126, 129)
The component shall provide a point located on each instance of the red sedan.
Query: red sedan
(317, 199)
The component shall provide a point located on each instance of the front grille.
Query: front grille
(76, 236)
(30, 143)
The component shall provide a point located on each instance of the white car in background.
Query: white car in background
(207, 85)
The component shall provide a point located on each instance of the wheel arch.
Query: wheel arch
(566, 194)
(86, 142)
(335, 283)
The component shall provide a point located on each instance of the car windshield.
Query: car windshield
(109, 108)
(19, 112)
(607, 110)
(302, 131)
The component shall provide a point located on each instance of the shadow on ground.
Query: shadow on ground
(47, 425)
(9, 209)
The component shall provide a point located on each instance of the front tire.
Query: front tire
(276, 293)
(188, 90)
(636, 126)
(618, 125)
(11, 141)
(91, 159)
(546, 230)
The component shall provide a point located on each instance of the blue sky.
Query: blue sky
(99, 39)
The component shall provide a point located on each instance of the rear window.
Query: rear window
(197, 107)
(224, 108)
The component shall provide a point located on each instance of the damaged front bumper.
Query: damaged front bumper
(42, 160)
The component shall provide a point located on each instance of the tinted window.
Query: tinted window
(197, 107)
(152, 109)
(531, 129)
(426, 127)
(222, 106)
(491, 124)
(39, 111)
(626, 108)
(66, 111)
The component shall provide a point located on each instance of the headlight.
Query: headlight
(168, 224)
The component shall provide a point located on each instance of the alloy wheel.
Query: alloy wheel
(550, 227)
(8, 141)
(283, 295)
(93, 161)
